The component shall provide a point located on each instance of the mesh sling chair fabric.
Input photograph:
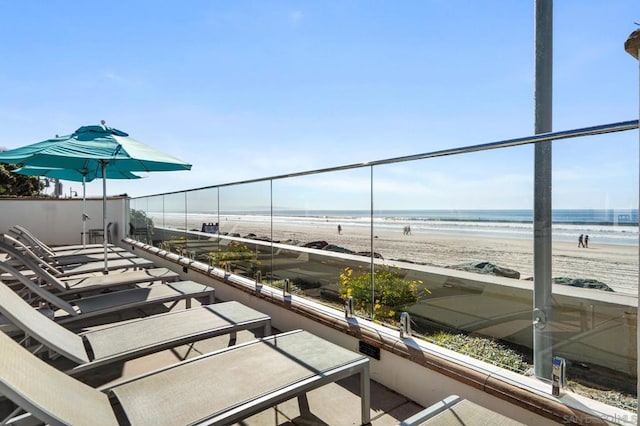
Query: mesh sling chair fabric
(454, 410)
(21, 233)
(21, 253)
(112, 302)
(70, 286)
(67, 256)
(130, 339)
(189, 392)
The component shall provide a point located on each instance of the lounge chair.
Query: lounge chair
(127, 278)
(62, 261)
(29, 239)
(77, 259)
(20, 254)
(113, 264)
(66, 256)
(454, 410)
(107, 303)
(222, 387)
(74, 286)
(131, 339)
(70, 285)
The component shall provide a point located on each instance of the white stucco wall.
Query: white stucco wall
(59, 221)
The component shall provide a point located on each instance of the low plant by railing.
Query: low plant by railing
(484, 349)
(390, 291)
(235, 254)
(174, 246)
(496, 353)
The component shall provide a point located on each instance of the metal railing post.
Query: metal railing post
(348, 307)
(542, 311)
(632, 46)
(405, 325)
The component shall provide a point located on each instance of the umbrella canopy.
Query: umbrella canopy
(73, 175)
(95, 149)
(89, 147)
(83, 176)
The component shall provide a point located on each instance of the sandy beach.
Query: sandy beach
(614, 265)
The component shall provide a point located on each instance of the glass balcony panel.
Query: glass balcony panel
(137, 204)
(245, 229)
(456, 237)
(451, 244)
(141, 219)
(155, 210)
(200, 241)
(174, 231)
(595, 261)
(322, 224)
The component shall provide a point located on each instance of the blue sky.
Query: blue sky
(249, 89)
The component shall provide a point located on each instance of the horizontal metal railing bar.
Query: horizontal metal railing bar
(543, 137)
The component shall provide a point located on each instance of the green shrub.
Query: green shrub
(391, 291)
(234, 253)
(484, 349)
(173, 245)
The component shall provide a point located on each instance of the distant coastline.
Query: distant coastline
(626, 217)
(612, 226)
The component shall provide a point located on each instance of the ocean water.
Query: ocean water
(612, 226)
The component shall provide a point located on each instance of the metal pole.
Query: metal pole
(271, 220)
(219, 224)
(542, 290)
(104, 214)
(373, 268)
(632, 46)
(84, 211)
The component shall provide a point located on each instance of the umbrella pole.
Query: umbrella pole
(84, 213)
(104, 214)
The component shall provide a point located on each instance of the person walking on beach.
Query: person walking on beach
(586, 241)
(580, 239)
(339, 229)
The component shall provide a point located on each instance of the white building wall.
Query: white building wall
(59, 221)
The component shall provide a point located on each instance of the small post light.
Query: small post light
(227, 268)
(348, 307)
(405, 325)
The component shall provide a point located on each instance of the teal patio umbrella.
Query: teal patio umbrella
(73, 175)
(83, 176)
(97, 149)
